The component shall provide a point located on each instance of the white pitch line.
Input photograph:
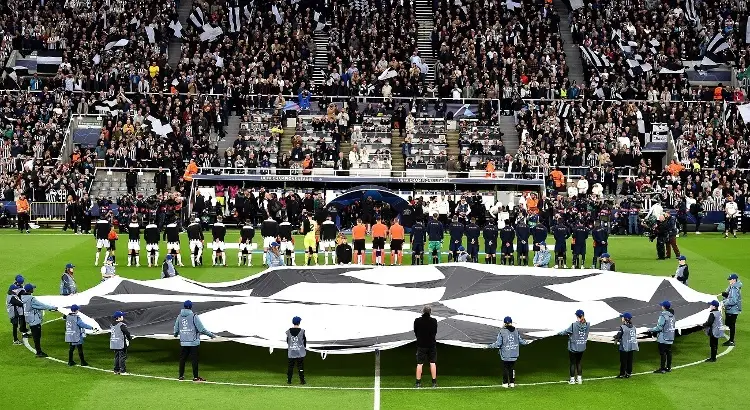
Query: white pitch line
(377, 389)
(376, 386)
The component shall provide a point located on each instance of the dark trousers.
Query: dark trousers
(18, 322)
(509, 372)
(665, 352)
(192, 352)
(713, 342)
(626, 363)
(731, 320)
(36, 335)
(80, 353)
(70, 222)
(300, 361)
(660, 249)
(23, 221)
(121, 356)
(672, 245)
(575, 363)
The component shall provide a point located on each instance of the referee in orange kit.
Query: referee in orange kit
(359, 231)
(397, 242)
(379, 233)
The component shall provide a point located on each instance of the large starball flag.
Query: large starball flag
(355, 309)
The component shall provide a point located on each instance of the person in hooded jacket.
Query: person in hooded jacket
(732, 305)
(682, 272)
(119, 340)
(665, 332)
(168, 269)
(713, 328)
(32, 310)
(627, 339)
(14, 307)
(188, 328)
(578, 335)
(74, 335)
(296, 350)
(508, 342)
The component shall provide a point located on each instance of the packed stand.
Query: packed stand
(257, 145)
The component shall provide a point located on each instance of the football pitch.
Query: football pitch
(241, 376)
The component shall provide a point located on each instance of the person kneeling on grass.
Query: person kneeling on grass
(273, 256)
(508, 342)
(578, 335)
(167, 268)
(74, 335)
(542, 256)
(188, 328)
(296, 350)
(119, 340)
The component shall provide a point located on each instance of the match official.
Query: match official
(32, 311)
(296, 350)
(188, 328)
(578, 335)
(665, 331)
(425, 330)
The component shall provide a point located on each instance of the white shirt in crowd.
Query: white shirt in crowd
(583, 186)
(572, 191)
(730, 208)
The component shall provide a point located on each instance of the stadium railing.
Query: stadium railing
(42, 212)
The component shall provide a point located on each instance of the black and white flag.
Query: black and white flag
(712, 59)
(595, 58)
(105, 106)
(235, 22)
(134, 24)
(176, 27)
(196, 19)
(276, 14)
(690, 13)
(151, 34)
(320, 21)
(638, 66)
(159, 126)
(48, 61)
(14, 73)
(564, 110)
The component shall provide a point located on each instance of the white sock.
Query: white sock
(97, 258)
(333, 257)
(156, 258)
(294, 259)
(130, 259)
(325, 255)
(199, 256)
(179, 259)
(239, 259)
(249, 259)
(264, 256)
(213, 257)
(137, 259)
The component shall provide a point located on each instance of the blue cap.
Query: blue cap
(543, 243)
(74, 308)
(461, 248)
(188, 304)
(682, 258)
(296, 320)
(733, 276)
(13, 287)
(714, 303)
(110, 258)
(274, 244)
(665, 304)
(507, 320)
(169, 257)
(19, 279)
(70, 266)
(29, 287)
(605, 255)
(579, 313)
(118, 314)
(626, 315)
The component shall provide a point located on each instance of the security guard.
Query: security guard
(600, 234)
(188, 328)
(665, 331)
(580, 235)
(628, 345)
(507, 236)
(296, 349)
(74, 335)
(713, 328)
(578, 335)
(523, 232)
(490, 241)
(32, 311)
(472, 240)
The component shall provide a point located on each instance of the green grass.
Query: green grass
(48, 384)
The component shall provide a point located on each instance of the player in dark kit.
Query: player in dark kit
(151, 237)
(490, 241)
(195, 239)
(522, 242)
(287, 242)
(417, 240)
(328, 233)
(472, 240)
(456, 230)
(244, 256)
(435, 233)
(539, 235)
(101, 231)
(580, 235)
(134, 242)
(561, 233)
(218, 232)
(172, 236)
(507, 236)
(600, 234)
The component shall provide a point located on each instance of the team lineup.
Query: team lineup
(426, 240)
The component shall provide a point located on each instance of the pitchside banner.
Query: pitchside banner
(368, 179)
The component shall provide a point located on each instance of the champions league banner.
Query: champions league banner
(357, 309)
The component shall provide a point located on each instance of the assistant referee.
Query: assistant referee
(425, 329)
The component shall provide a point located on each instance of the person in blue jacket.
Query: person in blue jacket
(508, 342)
(74, 335)
(713, 328)
(33, 312)
(541, 255)
(14, 307)
(665, 332)
(578, 335)
(732, 305)
(189, 328)
(627, 339)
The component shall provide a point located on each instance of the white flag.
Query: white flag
(234, 19)
(150, 34)
(275, 11)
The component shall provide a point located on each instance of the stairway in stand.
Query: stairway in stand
(397, 160)
(320, 61)
(453, 149)
(232, 131)
(426, 19)
(507, 126)
(572, 52)
(175, 44)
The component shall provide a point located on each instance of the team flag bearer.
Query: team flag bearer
(74, 335)
(508, 341)
(713, 328)
(119, 340)
(296, 350)
(665, 331)
(627, 339)
(578, 335)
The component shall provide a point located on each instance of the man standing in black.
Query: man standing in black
(131, 181)
(425, 330)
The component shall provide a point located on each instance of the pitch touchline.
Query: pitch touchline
(376, 388)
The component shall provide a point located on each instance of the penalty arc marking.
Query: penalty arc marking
(279, 386)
